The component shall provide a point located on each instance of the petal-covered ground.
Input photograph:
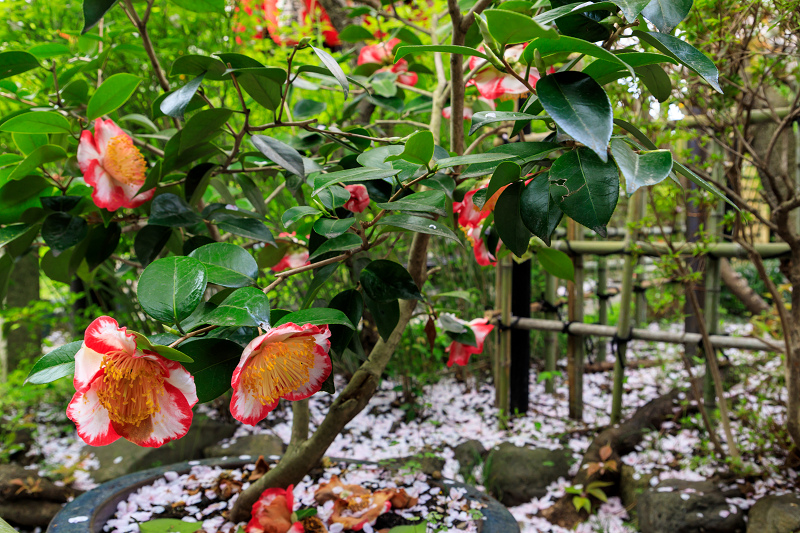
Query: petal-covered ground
(453, 412)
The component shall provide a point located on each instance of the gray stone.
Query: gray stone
(251, 445)
(425, 461)
(123, 457)
(775, 514)
(632, 485)
(469, 454)
(677, 506)
(517, 475)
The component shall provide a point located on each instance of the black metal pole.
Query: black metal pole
(520, 339)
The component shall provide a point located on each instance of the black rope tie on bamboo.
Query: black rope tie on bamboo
(605, 295)
(616, 342)
(565, 328)
(547, 307)
(506, 327)
(639, 288)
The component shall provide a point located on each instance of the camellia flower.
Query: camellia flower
(482, 254)
(359, 198)
(288, 361)
(381, 54)
(492, 83)
(124, 391)
(459, 353)
(112, 166)
(294, 259)
(272, 513)
(283, 16)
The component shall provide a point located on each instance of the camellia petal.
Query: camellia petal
(272, 512)
(288, 361)
(460, 353)
(359, 198)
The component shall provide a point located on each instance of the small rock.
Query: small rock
(251, 445)
(426, 462)
(203, 433)
(17, 483)
(631, 485)
(29, 513)
(469, 454)
(517, 475)
(705, 511)
(775, 514)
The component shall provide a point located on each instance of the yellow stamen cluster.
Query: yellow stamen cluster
(124, 161)
(279, 368)
(130, 387)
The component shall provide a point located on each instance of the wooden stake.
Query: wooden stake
(575, 344)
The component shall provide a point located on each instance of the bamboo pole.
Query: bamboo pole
(602, 303)
(504, 353)
(551, 339)
(767, 250)
(669, 337)
(640, 302)
(624, 324)
(713, 276)
(575, 344)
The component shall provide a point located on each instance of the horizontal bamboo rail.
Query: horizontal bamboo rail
(767, 250)
(597, 330)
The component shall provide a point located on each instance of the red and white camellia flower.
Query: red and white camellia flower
(288, 361)
(112, 166)
(272, 513)
(482, 254)
(296, 257)
(359, 198)
(125, 391)
(459, 353)
(492, 83)
(382, 54)
(284, 17)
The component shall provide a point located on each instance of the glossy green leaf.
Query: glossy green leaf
(18, 196)
(418, 149)
(171, 210)
(656, 80)
(509, 27)
(418, 225)
(354, 34)
(403, 51)
(331, 227)
(505, 173)
(115, 91)
(11, 232)
(643, 169)
(37, 122)
(457, 331)
(247, 306)
(331, 64)
(293, 214)
(385, 314)
(202, 6)
(352, 175)
(433, 202)
(580, 106)
(341, 243)
(143, 343)
(556, 263)
(317, 316)
(197, 180)
(214, 362)
(49, 153)
(385, 281)
(683, 52)
(56, 364)
(521, 153)
(585, 187)
(566, 44)
(171, 288)
(605, 72)
(262, 87)
(508, 220)
(582, 24)
(482, 118)
(631, 8)
(321, 275)
(149, 242)
(242, 225)
(351, 303)
(667, 14)
(177, 103)
(28, 142)
(683, 170)
(554, 14)
(227, 264)
(61, 231)
(194, 65)
(101, 242)
(15, 62)
(540, 213)
(279, 152)
(203, 126)
(307, 108)
(93, 11)
(471, 159)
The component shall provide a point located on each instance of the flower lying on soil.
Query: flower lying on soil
(354, 506)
